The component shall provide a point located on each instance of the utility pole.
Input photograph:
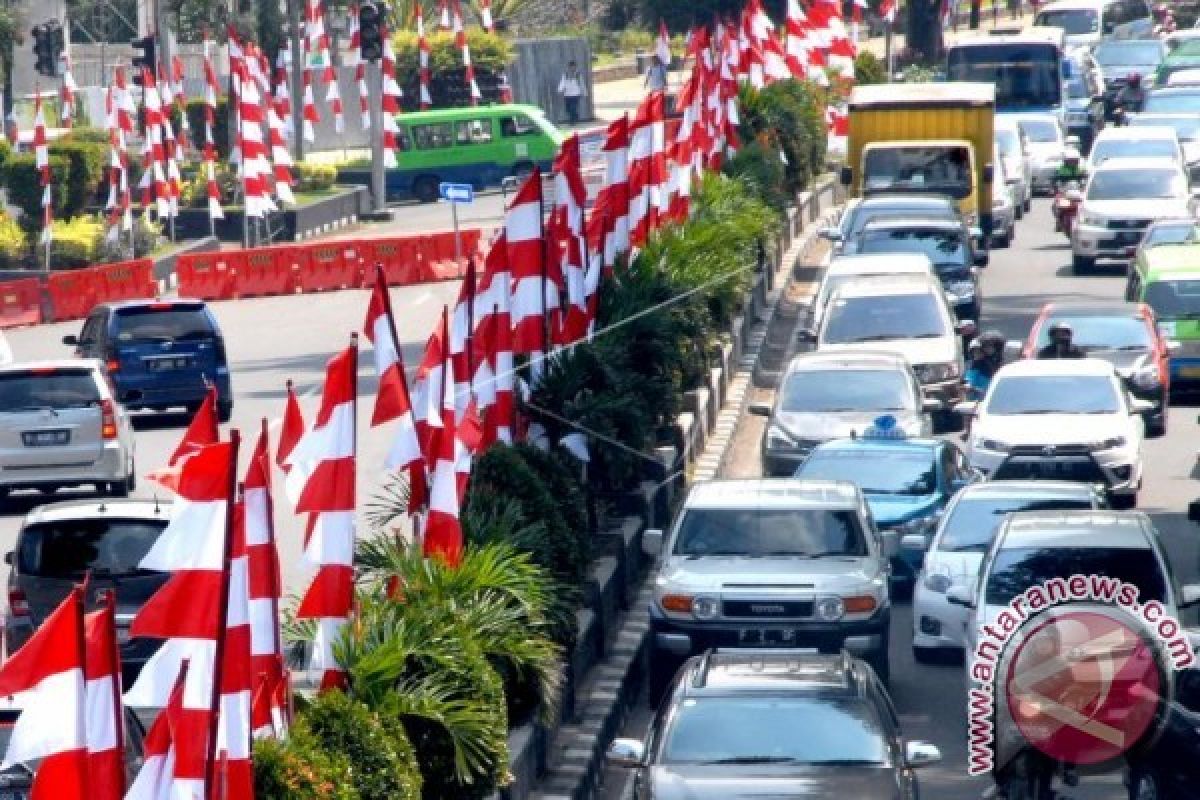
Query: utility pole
(375, 89)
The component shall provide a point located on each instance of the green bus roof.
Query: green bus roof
(1170, 259)
(467, 112)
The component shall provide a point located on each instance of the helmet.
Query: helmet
(1071, 154)
(975, 348)
(1060, 327)
(992, 337)
(1134, 80)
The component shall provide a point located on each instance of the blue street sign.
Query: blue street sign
(457, 192)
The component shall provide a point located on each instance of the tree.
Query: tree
(924, 30)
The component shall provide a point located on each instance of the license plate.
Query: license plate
(767, 637)
(1129, 237)
(1190, 372)
(162, 364)
(45, 439)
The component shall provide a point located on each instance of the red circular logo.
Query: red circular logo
(1083, 686)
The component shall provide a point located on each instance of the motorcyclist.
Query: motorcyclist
(1132, 94)
(1061, 345)
(979, 371)
(1164, 20)
(1070, 171)
(992, 342)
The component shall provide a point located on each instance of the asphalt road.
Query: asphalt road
(268, 340)
(931, 700)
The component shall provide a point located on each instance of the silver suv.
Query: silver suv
(61, 426)
(770, 563)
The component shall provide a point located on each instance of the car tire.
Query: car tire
(131, 478)
(1000, 242)
(1144, 786)
(425, 188)
(1020, 211)
(1157, 426)
(1029, 202)
(224, 412)
(1082, 264)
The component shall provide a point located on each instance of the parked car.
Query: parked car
(159, 354)
(963, 535)
(1125, 335)
(747, 720)
(769, 563)
(60, 425)
(824, 396)
(61, 544)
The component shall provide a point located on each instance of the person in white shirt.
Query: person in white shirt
(656, 75)
(571, 88)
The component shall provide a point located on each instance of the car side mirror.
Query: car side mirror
(966, 408)
(890, 542)
(71, 339)
(760, 409)
(1189, 595)
(981, 258)
(652, 540)
(629, 753)
(1173, 346)
(960, 596)
(913, 541)
(846, 175)
(919, 754)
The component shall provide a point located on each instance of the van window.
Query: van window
(178, 321)
(473, 131)
(517, 125)
(433, 136)
(71, 548)
(49, 388)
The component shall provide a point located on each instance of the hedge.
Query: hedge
(77, 242)
(23, 180)
(13, 243)
(221, 140)
(88, 161)
(314, 177)
(490, 55)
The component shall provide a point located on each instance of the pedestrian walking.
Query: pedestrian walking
(572, 89)
(656, 75)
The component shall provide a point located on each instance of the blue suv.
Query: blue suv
(159, 354)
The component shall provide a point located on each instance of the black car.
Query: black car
(950, 248)
(774, 724)
(857, 215)
(103, 540)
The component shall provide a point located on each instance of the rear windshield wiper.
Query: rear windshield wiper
(755, 760)
(23, 409)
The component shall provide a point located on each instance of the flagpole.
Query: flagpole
(210, 770)
(110, 604)
(472, 278)
(276, 587)
(889, 57)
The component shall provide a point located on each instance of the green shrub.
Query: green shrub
(759, 166)
(194, 191)
(787, 116)
(147, 235)
(382, 770)
(88, 161)
(869, 69)
(221, 140)
(314, 177)
(13, 242)
(83, 133)
(23, 181)
(6, 151)
(298, 768)
(490, 55)
(77, 242)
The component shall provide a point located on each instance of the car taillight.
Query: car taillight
(18, 604)
(111, 363)
(108, 419)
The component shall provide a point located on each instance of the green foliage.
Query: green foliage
(77, 242)
(788, 117)
(23, 182)
(760, 167)
(384, 766)
(682, 16)
(221, 140)
(88, 160)
(869, 69)
(315, 177)
(298, 768)
(490, 55)
(194, 192)
(13, 242)
(84, 133)
(147, 236)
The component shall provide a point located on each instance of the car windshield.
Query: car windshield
(1041, 130)
(69, 549)
(1187, 127)
(876, 471)
(867, 215)
(1020, 568)
(35, 390)
(1188, 47)
(945, 169)
(1053, 394)
(848, 390)
(1177, 299)
(1118, 148)
(879, 319)
(159, 324)
(1118, 332)
(944, 248)
(1127, 54)
(1173, 103)
(1170, 233)
(1074, 21)
(764, 730)
(751, 532)
(971, 524)
(1139, 184)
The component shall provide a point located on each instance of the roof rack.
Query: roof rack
(701, 676)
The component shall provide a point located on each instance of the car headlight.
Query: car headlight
(829, 609)
(1146, 377)
(1093, 221)
(1109, 444)
(994, 445)
(777, 437)
(960, 290)
(935, 373)
(705, 607)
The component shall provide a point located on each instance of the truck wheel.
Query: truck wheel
(426, 189)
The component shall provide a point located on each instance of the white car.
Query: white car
(1123, 196)
(963, 536)
(1013, 144)
(1187, 128)
(6, 353)
(1004, 204)
(905, 314)
(842, 269)
(1046, 140)
(1060, 419)
(1136, 141)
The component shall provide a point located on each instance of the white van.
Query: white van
(1086, 22)
(846, 268)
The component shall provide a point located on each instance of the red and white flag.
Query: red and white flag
(184, 134)
(68, 92)
(443, 15)
(156, 779)
(48, 671)
(290, 433)
(442, 536)
(329, 494)
(570, 197)
(887, 10)
(648, 201)
(392, 401)
(662, 45)
(211, 91)
(616, 188)
(423, 70)
(120, 112)
(231, 768)
(493, 325)
(460, 40)
(392, 95)
(427, 387)
(533, 296)
(485, 16)
(201, 432)
(105, 713)
(41, 156)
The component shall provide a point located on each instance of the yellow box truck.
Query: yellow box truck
(924, 137)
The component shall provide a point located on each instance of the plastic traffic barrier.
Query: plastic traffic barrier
(208, 276)
(331, 265)
(72, 294)
(20, 302)
(124, 280)
(401, 259)
(266, 271)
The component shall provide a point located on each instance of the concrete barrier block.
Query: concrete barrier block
(604, 591)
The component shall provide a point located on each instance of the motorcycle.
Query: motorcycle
(1067, 200)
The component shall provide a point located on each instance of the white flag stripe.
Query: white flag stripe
(385, 347)
(333, 440)
(194, 538)
(60, 729)
(332, 540)
(239, 591)
(262, 626)
(154, 780)
(100, 714)
(257, 517)
(233, 730)
(158, 677)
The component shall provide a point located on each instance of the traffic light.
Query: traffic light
(48, 44)
(145, 60)
(370, 32)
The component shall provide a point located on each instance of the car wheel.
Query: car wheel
(1145, 787)
(999, 241)
(224, 412)
(1020, 211)
(1029, 201)
(1157, 425)
(426, 189)
(1082, 264)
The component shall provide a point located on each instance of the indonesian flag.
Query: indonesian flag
(329, 493)
(69, 89)
(211, 90)
(662, 45)
(570, 197)
(156, 779)
(392, 95)
(201, 432)
(234, 774)
(460, 39)
(290, 434)
(423, 70)
(887, 10)
(616, 188)
(443, 536)
(41, 156)
(485, 15)
(647, 169)
(281, 157)
(533, 297)
(184, 133)
(49, 671)
(443, 15)
(492, 300)
(105, 712)
(797, 39)
(392, 401)
(427, 387)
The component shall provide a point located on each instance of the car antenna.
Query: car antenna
(157, 507)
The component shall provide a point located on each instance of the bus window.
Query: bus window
(474, 131)
(1026, 75)
(403, 142)
(433, 136)
(517, 125)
